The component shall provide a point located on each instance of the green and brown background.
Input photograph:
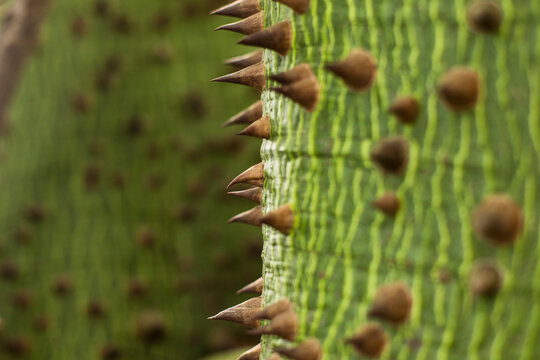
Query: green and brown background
(114, 166)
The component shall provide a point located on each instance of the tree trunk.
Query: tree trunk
(113, 171)
(330, 166)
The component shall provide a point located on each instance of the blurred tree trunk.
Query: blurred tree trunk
(113, 169)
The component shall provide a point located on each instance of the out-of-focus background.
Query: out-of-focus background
(113, 171)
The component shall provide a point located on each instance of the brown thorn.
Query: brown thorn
(240, 8)
(95, 309)
(110, 352)
(247, 26)
(22, 298)
(241, 313)
(406, 109)
(297, 73)
(253, 194)
(62, 285)
(388, 203)
(79, 26)
(243, 61)
(369, 340)
(358, 70)
(392, 303)
(151, 327)
(391, 155)
(273, 310)
(81, 103)
(253, 176)
(250, 217)
(459, 89)
(484, 17)
(255, 287)
(259, 129)
(309, 349)
(40, 323)
(281, 219)
(252, 354)
(252, 76)
(102, 8)
(498, 220)
(284, 325)
(16, 347)
(304, 92)
(276, 38)
(9, 271)
(34, 213)
(248, 116)
(299, 6)
(485, 278)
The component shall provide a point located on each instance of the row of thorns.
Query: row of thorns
(497, 220)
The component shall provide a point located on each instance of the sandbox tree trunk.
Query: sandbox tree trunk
(342, 249)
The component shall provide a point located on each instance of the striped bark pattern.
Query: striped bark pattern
(341, 249)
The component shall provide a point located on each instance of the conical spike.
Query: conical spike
(240, 8)
(309, 349)
(391, 155)
(284, 325)
(459, 89)
(253, 176)
(255, 287)
(498, 220)
(259, 129)
(369, 340)
(485, 278)
(484, 17)
(243, 61)
(358, 70)
(281, 219)
(297, 73)
(241, 313)
(253, 194)
(305, 92)
(271, 311)
(389, 204)
(247, 26)
(300, 6)
(276, 38)
(406, 109)
(248, 116)
(251, 354)
(252, 76)
(250, 217)
(392, 303)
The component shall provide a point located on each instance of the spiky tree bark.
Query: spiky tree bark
(408, 164)
(112, 178)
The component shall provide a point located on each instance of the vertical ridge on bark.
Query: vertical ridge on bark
(341, 249)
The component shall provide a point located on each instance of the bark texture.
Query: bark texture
(113, 172)
(342, 249)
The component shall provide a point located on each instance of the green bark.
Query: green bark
(64, 161)
(341, 249)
